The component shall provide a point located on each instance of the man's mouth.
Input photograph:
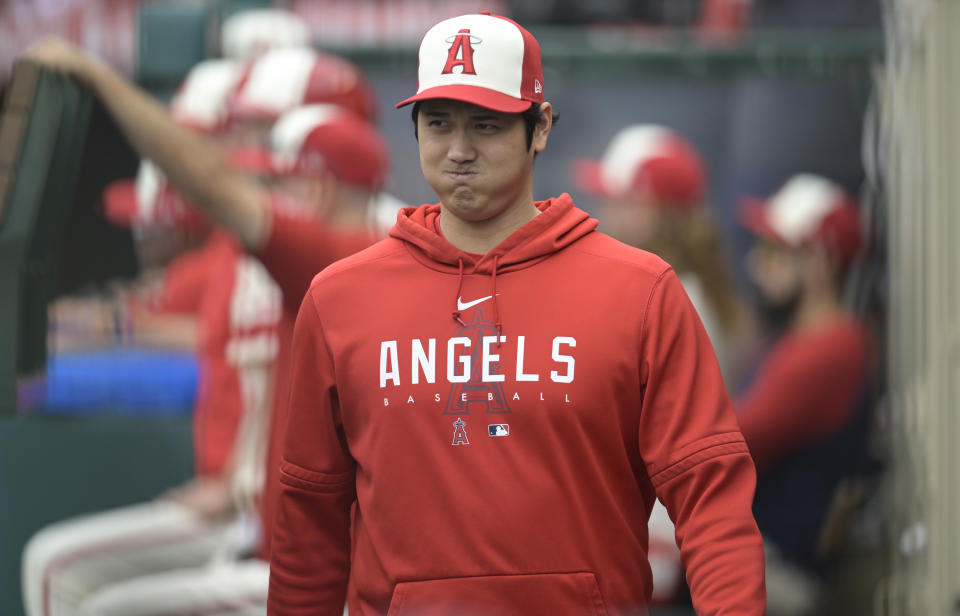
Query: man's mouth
(461, 174)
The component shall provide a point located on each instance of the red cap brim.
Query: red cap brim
(752, 215)
(483, 97)
(121, 207)
(120, 202)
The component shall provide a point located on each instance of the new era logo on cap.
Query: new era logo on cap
(487, 60)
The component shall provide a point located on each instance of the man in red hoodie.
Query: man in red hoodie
(485, 404)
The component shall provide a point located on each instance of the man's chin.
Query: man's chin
(777, 314)
(465, 204)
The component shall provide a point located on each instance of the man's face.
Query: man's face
(314, 194)
(777, 271)
(476, 159)
(252, 133)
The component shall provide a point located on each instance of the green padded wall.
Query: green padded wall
(172, 37)
(41, 141)
(40, 269)
(54, 468)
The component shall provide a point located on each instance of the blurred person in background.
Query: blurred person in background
(287, 77)
(652, 186)
(806, 415)
(158, 310)
(329, 165)
(172, 241)
(247, 34)
(219, 303)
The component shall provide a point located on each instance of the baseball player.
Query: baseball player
(806, 414)
(236, 308)
(335, 163)
(653, 188)
(285, 78)
(399, 493)
(288, 77)
(350, 155)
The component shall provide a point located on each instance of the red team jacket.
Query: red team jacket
(239, 318)
(486, 434)
(235, 315)
(805, 390)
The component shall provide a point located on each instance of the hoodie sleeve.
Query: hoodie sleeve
(299, 246)
(696, 457)
(310, 555)
(806, 391)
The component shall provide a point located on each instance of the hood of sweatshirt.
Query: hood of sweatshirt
(558, 225)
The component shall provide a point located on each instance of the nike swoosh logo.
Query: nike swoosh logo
(463, 306)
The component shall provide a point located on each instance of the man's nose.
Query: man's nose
(461, 148)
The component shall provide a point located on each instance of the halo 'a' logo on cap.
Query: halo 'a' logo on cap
(461, 52)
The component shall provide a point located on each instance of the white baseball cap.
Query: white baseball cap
(322, 138)
(149, 201)
(808, 209)
(200, 104)
(248, 34)
(484, 59)
(283, 79)
(201, 101)
(647, 161)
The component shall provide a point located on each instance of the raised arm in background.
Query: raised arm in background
(195, 165)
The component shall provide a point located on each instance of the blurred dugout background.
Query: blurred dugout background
(863, 92)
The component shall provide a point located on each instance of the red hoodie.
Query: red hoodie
(485, 434)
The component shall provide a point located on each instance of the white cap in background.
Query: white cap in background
(283, 79)
(201, 101)
(248, 34)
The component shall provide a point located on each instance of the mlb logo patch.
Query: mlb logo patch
(498, 429)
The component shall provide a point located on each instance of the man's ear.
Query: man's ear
(541, 131)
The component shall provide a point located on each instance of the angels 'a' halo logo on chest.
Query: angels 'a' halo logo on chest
(477, 394)
(460, 432)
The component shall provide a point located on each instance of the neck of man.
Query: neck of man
(482, 236)
(818, 307)
(350, 209)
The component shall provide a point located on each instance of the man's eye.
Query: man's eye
(486, 127)
(437, 123)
